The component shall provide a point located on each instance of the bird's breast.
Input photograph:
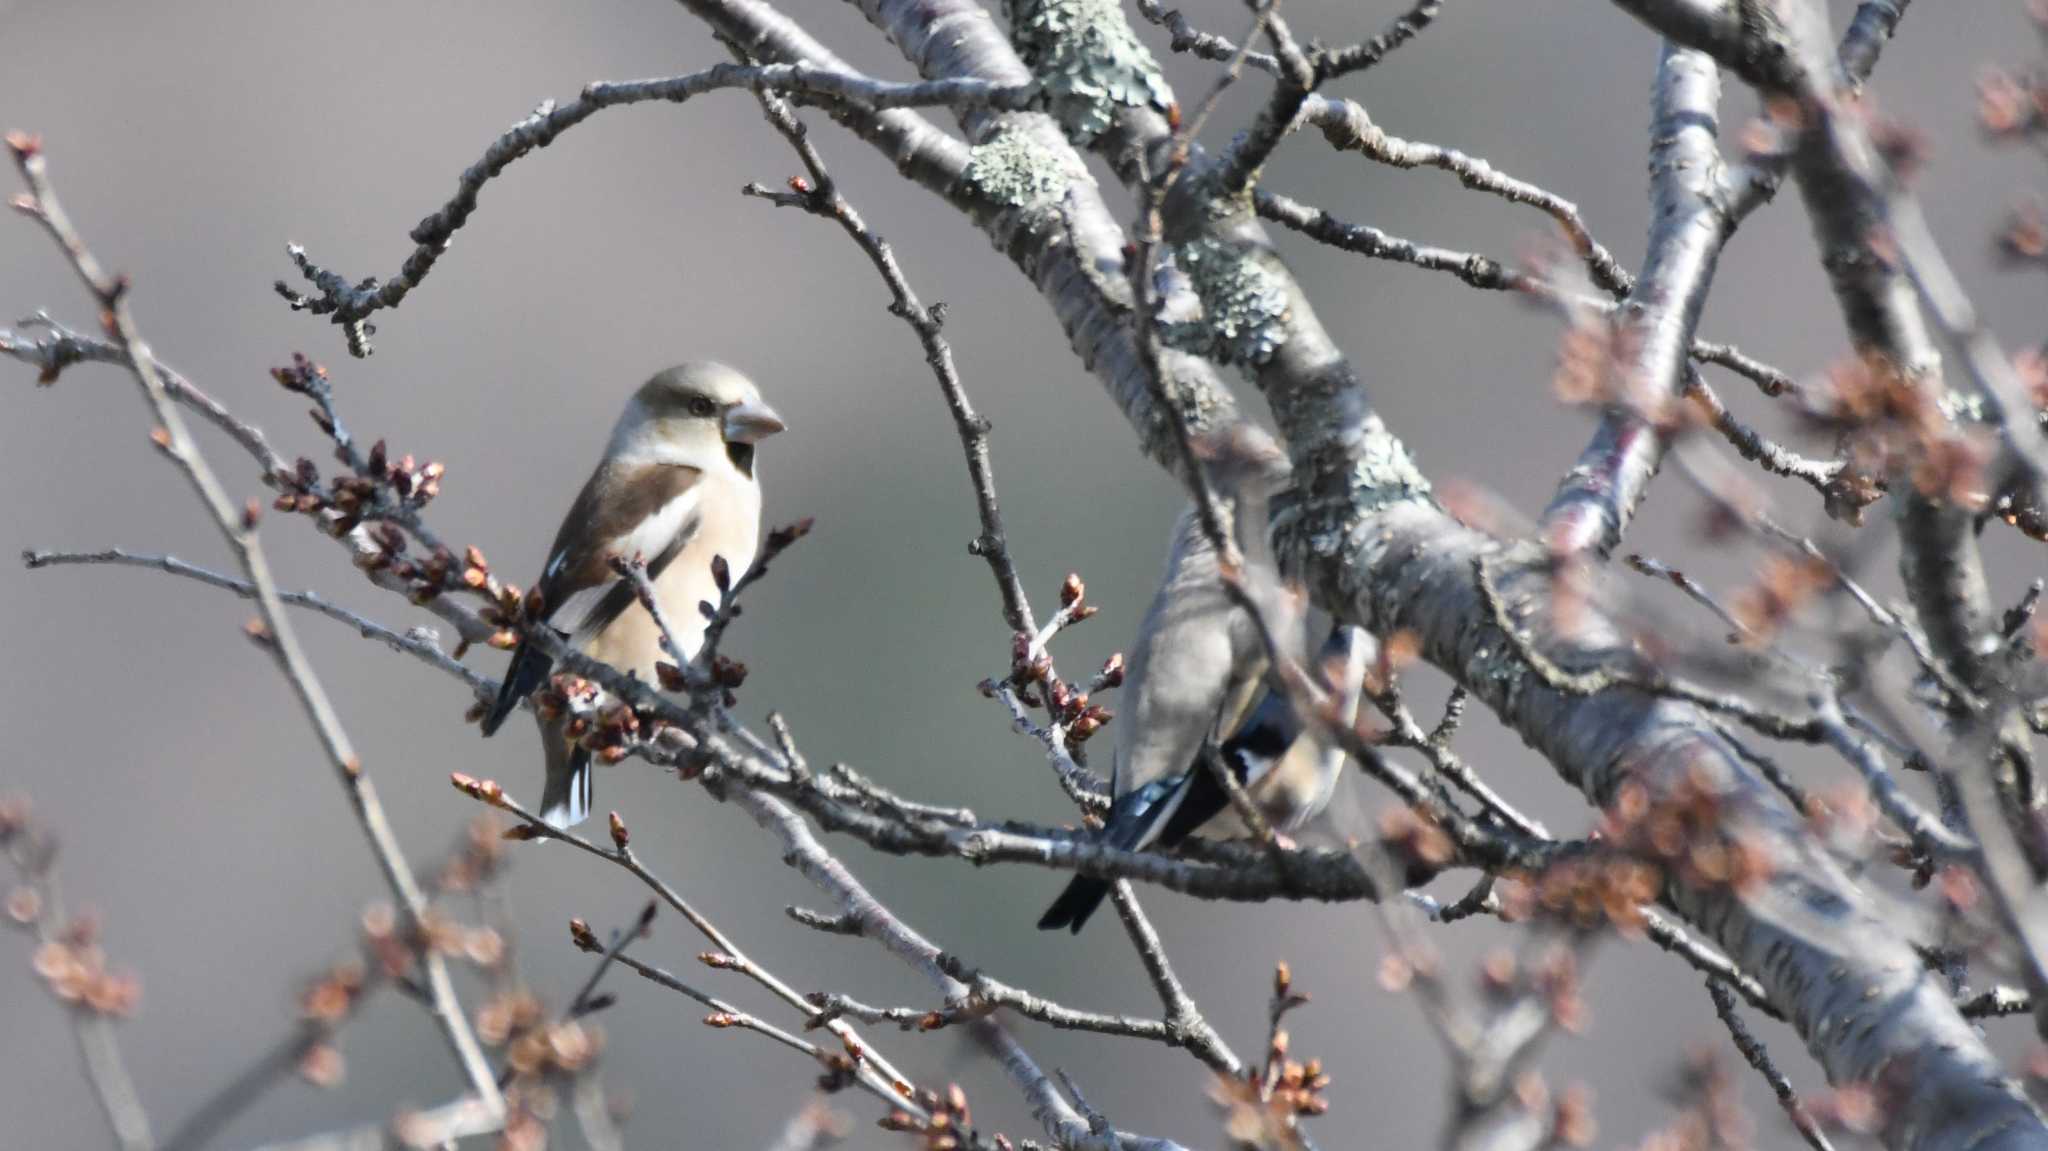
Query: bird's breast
(729, 525)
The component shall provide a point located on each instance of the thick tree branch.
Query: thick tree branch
(1375, 549)
(1689, 223)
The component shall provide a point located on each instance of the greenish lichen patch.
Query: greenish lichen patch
(1012, 168)
(1088, 59)
(1244, 304)
(1384, 473)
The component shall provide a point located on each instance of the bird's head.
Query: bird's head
(694, 413)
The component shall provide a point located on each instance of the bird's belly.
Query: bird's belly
(633, 642)
(634, 648)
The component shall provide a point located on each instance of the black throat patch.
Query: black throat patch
(742, 457)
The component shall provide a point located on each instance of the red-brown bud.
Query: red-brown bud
(1071, 590)
(584, 938)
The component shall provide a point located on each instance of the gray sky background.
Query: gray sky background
(193, 140)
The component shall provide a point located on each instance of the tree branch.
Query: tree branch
(279, 637)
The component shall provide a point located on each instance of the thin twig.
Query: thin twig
(1754, 1053)
(351, 304)
(822, 198)
(418, 642)
(281, 640)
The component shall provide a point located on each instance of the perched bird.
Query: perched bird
(1194, 670)
(1287, 768)
(676, 487)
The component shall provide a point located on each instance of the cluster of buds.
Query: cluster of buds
(529, 1111)
(1032, 677)
(1894, 423)
(585, 939)
(726, 674)
(779, 540)
(512, 1011)
(1415, 840)
(1606, 889)
(1111, 676)
(1570, 1113)
(609, 728)
(505, 607)
(1845, 818)
(1290, 1087)
(1786, 584)
(69, 961)
(1029, 663)
(1590, 364)
(1853, 1108)
(393, 944)
(1688, 832)
(14, 818)
(841, 1069)
(484, 790)
(1263, 1108)
(325, 1004)
(350, 498)
(476, 862)
(413, 485)
(2024, 239)
(390, 943)
(540, 1056)
(2009, 107)
(564, 1049)
(590, 717)
(322, 1066)
(1073, 599)
(74, 968)
(1552, 976)
(1713, 1117)
(332, 998)
(1071, 708)
(302, 376)
(1256, 1118)
(1774, 131)
(949, 1125)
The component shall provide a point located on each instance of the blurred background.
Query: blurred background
(193, 140)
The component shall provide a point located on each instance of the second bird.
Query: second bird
(676, 487)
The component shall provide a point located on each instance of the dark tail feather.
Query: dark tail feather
(1072, 909)
(1130, 820)
(528, 670)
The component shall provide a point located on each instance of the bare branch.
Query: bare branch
(238, 529)
(351, 304)
(1689, 225)
(418, 642)
(1753, 1051)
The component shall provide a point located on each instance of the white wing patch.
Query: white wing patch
(657, 531)
(648, 540)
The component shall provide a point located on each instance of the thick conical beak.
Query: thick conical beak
(751, 422)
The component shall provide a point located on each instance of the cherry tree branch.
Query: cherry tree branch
(278, 636)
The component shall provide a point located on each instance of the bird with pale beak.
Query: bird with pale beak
(676, 488)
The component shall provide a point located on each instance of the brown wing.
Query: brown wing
(641, 510)
(615, 508)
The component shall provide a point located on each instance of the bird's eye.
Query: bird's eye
(701, 406)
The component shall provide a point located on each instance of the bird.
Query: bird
(1288, 768)
(1199, 679)
(676, 488)
(1194, 669)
